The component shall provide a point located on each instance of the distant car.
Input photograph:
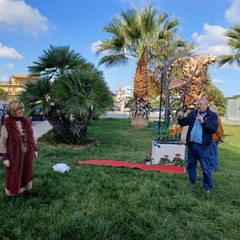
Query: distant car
(3, 111)
(155, 113)
(37, 115)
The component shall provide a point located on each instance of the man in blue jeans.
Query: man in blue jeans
(202, 124)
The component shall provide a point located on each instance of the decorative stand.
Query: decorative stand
(167, 147)
(162, 150)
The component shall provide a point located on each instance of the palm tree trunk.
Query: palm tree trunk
(140, 108)
(67, 131)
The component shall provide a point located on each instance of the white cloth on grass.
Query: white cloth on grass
(61, 167)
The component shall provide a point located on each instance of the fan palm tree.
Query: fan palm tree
(36, 94)
(70, 92)
(136, 36)
(79, 96)
(56, 61)
(233, 42)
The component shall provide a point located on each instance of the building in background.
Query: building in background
(233, 111)
(14, 86)
(122, 96)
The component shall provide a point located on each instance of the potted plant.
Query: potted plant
(178, 161)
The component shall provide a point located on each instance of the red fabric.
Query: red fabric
(20, 172)
(143, 167)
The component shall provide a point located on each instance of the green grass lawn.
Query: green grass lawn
(97, 202)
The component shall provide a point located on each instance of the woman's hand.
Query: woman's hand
(35, 154)
(6, 163)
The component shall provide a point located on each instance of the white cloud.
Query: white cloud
(10, 66)
(8, 52)
(94, 46)
(215, 80)
(211, 41)
(232, 14)
(16, 14)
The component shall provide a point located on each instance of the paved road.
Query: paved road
(40, 128)
(116, 114)
(119, 114)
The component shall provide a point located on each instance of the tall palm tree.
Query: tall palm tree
(136, 36)
(233, 42)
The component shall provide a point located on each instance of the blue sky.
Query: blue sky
(27, 27)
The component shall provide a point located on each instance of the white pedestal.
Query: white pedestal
(160, 149)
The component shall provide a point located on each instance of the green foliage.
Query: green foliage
(165, 160)
(129, 102)
(97, 202)
(233, 42)
(81, 91)
(3, 93)
(235, 96)
(218, 98)
(56, 61)
(177, 161)
(36, 93)
(65, 136)
(140, 36)
(155, 103)
(69, 91)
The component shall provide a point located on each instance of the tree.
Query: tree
(70, 92)
(217, 98)
(56, 61)
(236, 96)
(3, 93)
(233, 42)
(136, 35)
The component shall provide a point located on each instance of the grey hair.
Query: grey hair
(203, 100)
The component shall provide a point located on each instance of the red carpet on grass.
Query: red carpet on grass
(143, 167)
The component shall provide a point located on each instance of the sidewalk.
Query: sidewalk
(40, 128)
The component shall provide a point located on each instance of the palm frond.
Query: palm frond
(79, 91)
(36, 93)
(113, 60)
(230, 59)
(56, 61)
(233, 42)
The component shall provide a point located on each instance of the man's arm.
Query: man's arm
(183, 121)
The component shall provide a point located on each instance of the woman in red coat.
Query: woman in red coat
(18, 148)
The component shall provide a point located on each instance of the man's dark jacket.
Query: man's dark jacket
(209, 126)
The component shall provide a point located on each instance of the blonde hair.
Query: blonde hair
(13, 106)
